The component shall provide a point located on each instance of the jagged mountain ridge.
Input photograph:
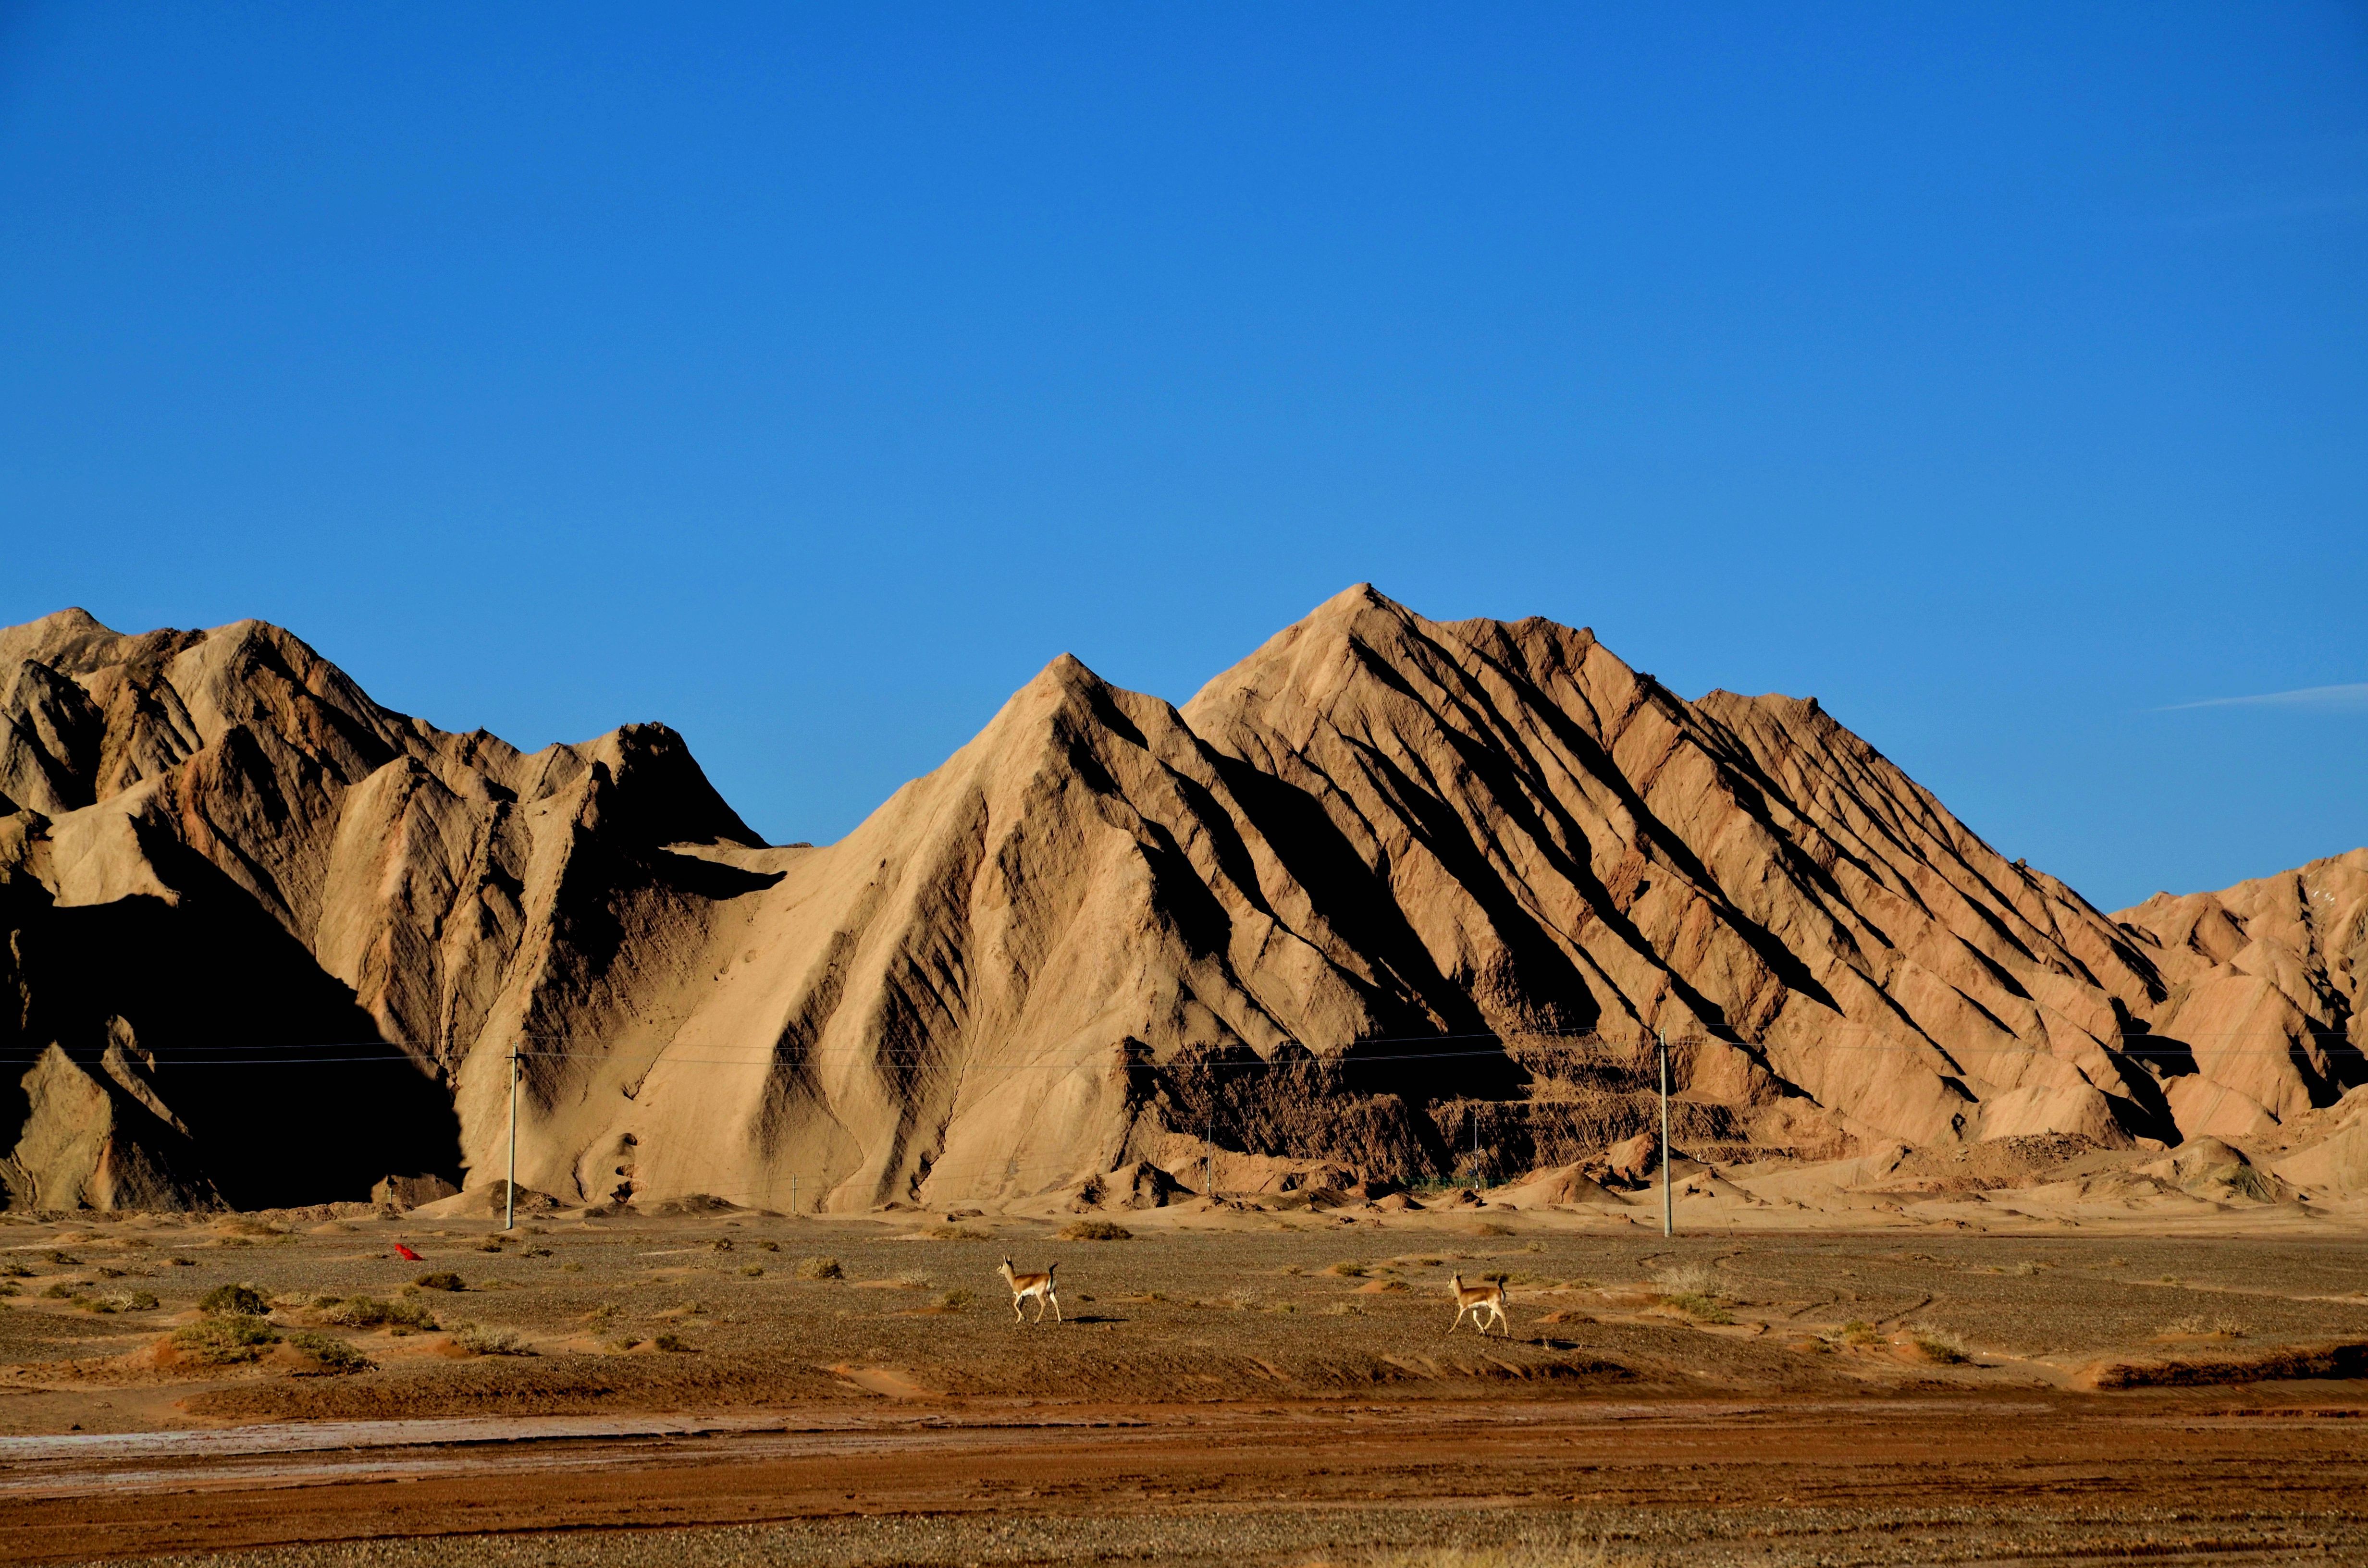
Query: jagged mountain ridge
(1103, 929)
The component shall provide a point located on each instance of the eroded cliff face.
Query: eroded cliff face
(1388, 886)
(2261, 1020)
(288, 913)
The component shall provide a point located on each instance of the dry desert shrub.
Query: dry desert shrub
(479, 1340)
(1491, 1228)
(1857, 1331)
(439, 1279)
(820, 1269)
(1689, 1279)
(1095, 1231)
(670, 1341)
(366, 1311)
(1348, 1270)
(958, 1233)
(752, 1271)
(953, 1301)
(120, 1301)
(1937, 1345)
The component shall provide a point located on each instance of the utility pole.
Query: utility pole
(1668, 1206)
(1478, 1175)
(1208, 1155)
(510, 1192)
(793, 1192)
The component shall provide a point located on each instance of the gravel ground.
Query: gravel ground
(1478, 1536)
(712, 1313)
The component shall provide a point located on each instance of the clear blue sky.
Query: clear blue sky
(807, 376)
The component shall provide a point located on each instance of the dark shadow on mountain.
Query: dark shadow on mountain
(289, 1095)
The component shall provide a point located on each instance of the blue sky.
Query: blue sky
(807, 377)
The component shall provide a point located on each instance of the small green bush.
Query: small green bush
(61, 1259)
(245, 1300)
(225, 1341)
(1702, 1309)
(820, 1269)
(333, 1354)
(669, 1342)
(440, 1280)
(15, 1270)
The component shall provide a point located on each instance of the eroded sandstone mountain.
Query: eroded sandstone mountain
(1388, 894)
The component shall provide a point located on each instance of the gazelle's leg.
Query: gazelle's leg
(1056, 1305)
(1017, 1315)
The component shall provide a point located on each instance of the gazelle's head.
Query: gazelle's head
(1006, 1270)
(1459, 1280)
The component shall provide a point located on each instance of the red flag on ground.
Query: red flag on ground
(405, 1254)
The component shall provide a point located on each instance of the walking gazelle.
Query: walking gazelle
(1480, 1299)
(1037, 1285)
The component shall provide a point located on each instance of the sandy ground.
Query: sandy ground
(1263, 1387)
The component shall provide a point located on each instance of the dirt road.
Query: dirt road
(2202, 1475)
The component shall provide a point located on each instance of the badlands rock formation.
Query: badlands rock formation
(1387, 888)
(2261, 1018)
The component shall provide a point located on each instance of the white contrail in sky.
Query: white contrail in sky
(2353, 695)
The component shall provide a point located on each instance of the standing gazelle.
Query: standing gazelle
(1479, 1301)
(1037, 1285)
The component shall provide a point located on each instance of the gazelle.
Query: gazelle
(1479, 1301)
(1037, 1285)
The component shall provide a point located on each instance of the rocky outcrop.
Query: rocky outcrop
(1391, 896)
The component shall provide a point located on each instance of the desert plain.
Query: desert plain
(2016, 1365)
